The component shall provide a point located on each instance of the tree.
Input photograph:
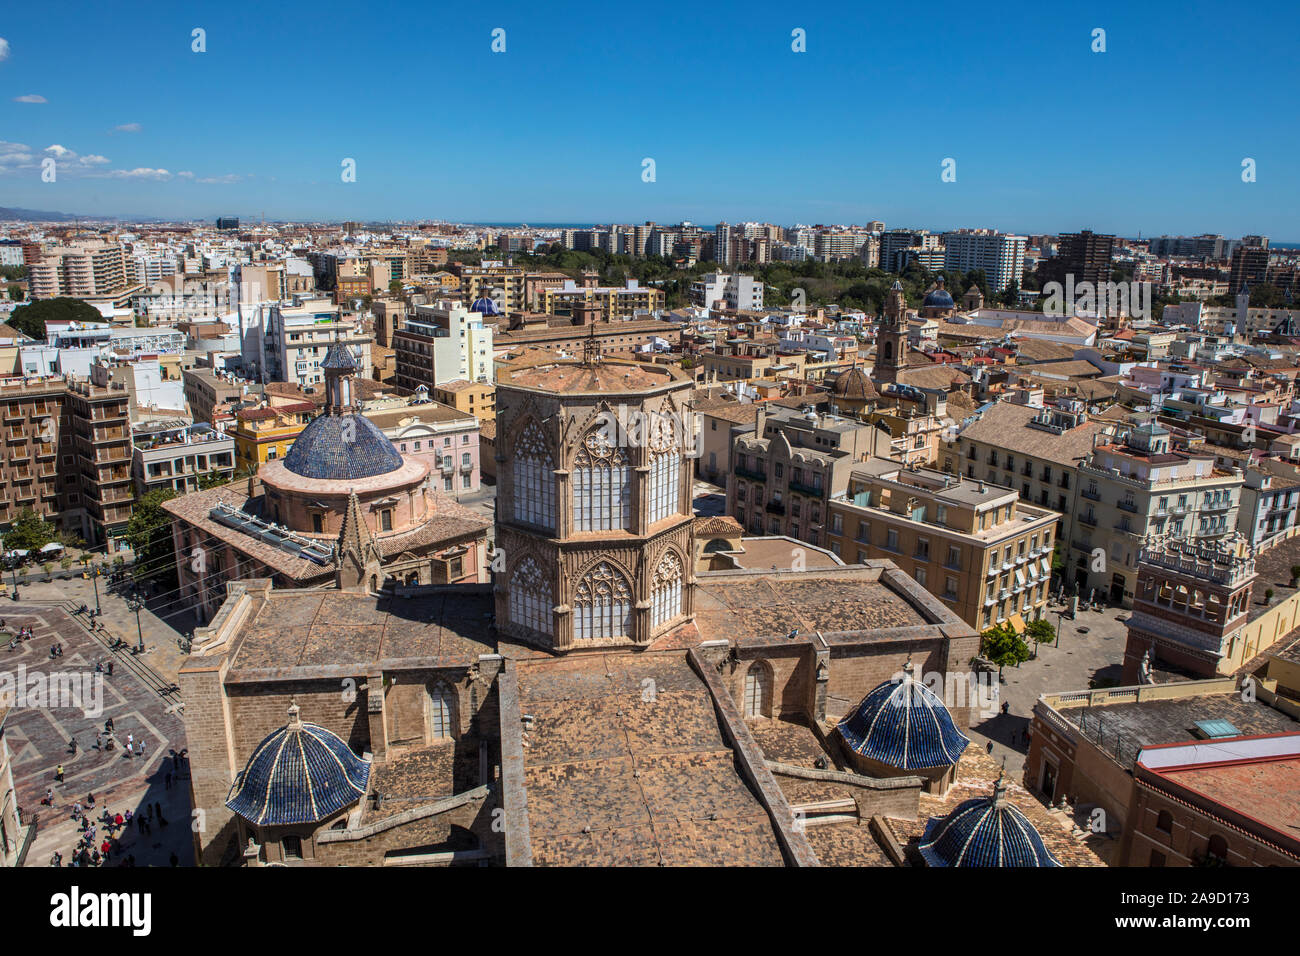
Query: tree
(30, 319)
(149, 535)
(1040, 632)
(1004, 647)
(30, 532)
(395, 287)
(213, 479)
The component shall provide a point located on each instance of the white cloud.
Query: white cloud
(60, 152)
(127, 128)
(94, 160)
(30, 98)
(185, 174)
(4, 49)
(219, 180)
(140, 172)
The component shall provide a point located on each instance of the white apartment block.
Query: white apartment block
(1000, 255)
(738, 291)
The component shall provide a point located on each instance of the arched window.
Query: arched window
(1217, 849)
(441, 711)
(531, 601)
(665, 469)
(758, 690)
(666, 590)
(602, 499)
(602, 605)
(534, 491)
(1165, 822)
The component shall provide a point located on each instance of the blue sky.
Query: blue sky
(1048, 136)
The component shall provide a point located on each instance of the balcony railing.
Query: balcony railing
(1091, 494)
(775, 508)
(1130, 506)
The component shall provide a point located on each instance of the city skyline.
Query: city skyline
(839, 133)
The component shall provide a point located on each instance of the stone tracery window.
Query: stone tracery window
(665, 469)
(602, 605)
(758, 690)
(534, 491)
(440, 705)
(602, 475)
(531, 601)
(666, 590)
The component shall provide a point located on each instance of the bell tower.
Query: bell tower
(891, 337)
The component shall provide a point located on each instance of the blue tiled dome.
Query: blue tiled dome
(340, 357)
(485, 306)
(302, 773)
(343, 447)
(938, 299)
(903, 724)
(985, 831)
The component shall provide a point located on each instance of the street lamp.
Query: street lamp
(1059, 615)
(15, 570)
(137, 604)
(94, 578)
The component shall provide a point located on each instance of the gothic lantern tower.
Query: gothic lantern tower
(594, 516)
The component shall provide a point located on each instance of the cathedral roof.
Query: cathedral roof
(985, 831)
(343, 447)
(301, 773)
(903, 724)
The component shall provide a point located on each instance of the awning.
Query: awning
(1020, 578)
(52, 546)
(1017, 623)
(1033, 571)
(1047, 567)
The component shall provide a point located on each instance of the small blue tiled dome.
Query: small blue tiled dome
(904, 725)
(302, 773)
(340, 357)
(985, 831)
(343, 447)
(938, 299)
(485, 306)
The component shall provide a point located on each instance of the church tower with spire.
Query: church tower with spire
(891, 337)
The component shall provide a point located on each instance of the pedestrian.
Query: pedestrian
(99, 741)
(105, 848)
(73, 744)
(989, 747)
(90, 800)
(118, 821)
(130, 739)
(167, 785)
(139, 824)
(158, 806)
(58, 773)
(148, 830)
(48, 799)
(110, 668)
(56, 859)
(128, 753)
(76, 809)
(108, 725)
(149, 814)
(1005, 707)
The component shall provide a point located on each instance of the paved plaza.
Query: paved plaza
(40, 735)
(1091, 648)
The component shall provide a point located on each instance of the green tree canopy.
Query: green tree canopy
(1003, 646)
(30, 319)
(30, 532)
(149, 535)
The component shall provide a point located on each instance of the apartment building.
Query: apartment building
(1138, 485)
(1030, 448)
(39, 468)
(472, 398)
(177, 454)
(785, 471)
(975, 546)
(207, 389)
(442, 343)
(613, 301)
(99, 416)
(734, 291)
(1000, 255)
(80, 270)
(267, 433)
(504, 285)
(287, 343)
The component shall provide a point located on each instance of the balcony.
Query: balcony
(1089, 519)
(811, 491)
(1216, 505)
(774, 508)
(750, 474)
(1129, 506)
(1092, 494)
